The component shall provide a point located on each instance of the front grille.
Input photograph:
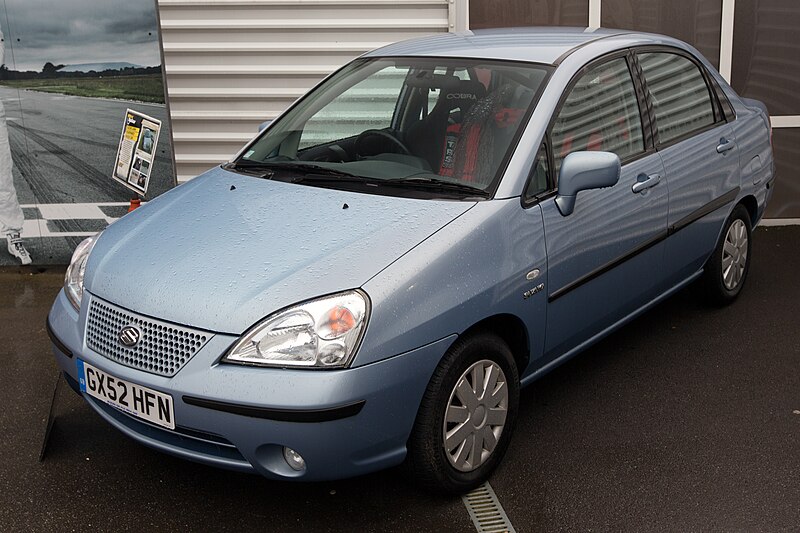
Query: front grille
(163, 347)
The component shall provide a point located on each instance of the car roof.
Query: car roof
(532, 44)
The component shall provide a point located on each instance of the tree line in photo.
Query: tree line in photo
(127, 82)
(50, 71)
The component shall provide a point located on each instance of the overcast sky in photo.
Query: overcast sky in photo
(71, 32)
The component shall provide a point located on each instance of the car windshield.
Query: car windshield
(436, 125)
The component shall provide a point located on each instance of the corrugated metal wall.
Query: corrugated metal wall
(231, 64)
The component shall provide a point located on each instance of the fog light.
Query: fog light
(293, 459)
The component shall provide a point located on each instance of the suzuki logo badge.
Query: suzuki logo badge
(129, 336)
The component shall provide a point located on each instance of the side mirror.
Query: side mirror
(581, 171)
(263, 125)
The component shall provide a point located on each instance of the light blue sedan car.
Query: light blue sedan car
(442, 221)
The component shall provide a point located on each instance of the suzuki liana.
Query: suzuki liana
(442, 221)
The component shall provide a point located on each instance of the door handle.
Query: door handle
(644, 182)
(725, 145)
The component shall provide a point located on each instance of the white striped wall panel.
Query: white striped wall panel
(231, 64)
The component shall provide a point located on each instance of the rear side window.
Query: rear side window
(681, 99)
(601, 112)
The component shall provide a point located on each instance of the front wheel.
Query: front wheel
(727, 268)
(466, 417)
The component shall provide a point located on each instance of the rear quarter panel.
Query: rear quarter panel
(752, 131)
(756, 159)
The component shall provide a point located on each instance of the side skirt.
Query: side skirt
(592, 340)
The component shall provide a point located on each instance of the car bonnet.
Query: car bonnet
(224, 250)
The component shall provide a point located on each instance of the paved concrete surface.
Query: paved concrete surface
(682, 421)
(64, 148)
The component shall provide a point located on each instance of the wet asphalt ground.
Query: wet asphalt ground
(688, 419)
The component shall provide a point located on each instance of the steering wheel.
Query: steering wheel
(359, 144)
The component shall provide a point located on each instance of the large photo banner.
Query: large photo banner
(74, 74)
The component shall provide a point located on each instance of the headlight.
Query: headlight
(321, 333)
(73, 281)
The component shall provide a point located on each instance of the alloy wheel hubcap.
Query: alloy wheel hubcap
(475, 416)
(734, 255)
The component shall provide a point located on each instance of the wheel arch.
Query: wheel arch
(512, 330)
(751, 204)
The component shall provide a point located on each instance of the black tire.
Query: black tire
(713, 282)
(427, 462)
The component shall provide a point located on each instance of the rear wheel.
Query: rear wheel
(466, 417)
(727, 268)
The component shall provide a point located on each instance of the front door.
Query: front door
(604, 259)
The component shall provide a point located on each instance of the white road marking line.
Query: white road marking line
(486, 512)
(780, 222)
(34, 228)
(109, 204)
(30, 229)
(61, 96)
(70, 211)
(785, 121)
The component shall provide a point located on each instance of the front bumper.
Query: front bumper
(343, 422)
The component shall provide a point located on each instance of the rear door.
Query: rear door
(700, 155)
(604, 259)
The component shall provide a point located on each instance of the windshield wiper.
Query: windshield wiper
(439, 184)
(252, 168)
(334, 178)
(310, 173)
(292, 166)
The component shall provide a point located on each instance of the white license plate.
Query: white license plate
(138, 401)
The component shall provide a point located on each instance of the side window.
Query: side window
(681, 99)
(538, 183)
(601, 112)
(344, 116)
